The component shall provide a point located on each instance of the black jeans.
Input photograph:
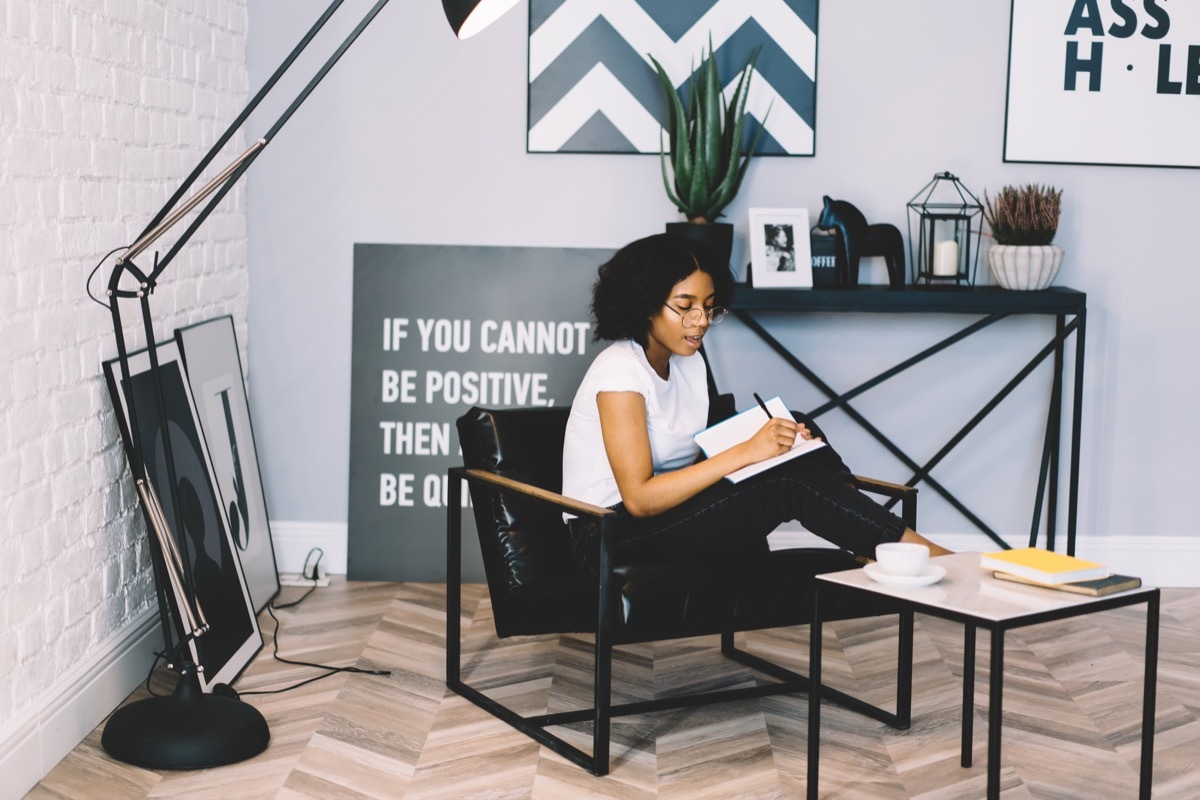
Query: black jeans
(815, 489)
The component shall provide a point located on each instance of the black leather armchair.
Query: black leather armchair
(513, 467)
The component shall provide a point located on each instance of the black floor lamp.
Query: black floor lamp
(190, 729)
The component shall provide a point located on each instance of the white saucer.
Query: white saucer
(932, 574)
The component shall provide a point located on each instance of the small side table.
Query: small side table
(970, 595)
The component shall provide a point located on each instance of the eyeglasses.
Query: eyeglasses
(692, 317)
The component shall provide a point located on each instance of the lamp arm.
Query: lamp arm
(457, 14)
(136, 463)
(243, 116)
(328, 65)
(193, 613)
(170, 561)
(152, 234)
(134, 451)
(239, 167)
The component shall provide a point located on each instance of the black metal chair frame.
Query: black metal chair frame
(602, 710)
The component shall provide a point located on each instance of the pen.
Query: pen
(763, 406)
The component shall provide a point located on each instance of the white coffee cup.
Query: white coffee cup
(902, 558)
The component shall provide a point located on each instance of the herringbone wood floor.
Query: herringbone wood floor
(1071, 713)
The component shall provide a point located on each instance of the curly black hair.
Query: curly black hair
(637, 280)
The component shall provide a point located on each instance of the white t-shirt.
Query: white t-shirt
(676, 409)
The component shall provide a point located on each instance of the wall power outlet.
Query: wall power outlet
(296, 579)
(313, 574)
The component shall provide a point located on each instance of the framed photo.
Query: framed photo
(1090, 84)
(213, 369)
(780, 250)
(198, 524)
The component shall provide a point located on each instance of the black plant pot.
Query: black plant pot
(716, 236)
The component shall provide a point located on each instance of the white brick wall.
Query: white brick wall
(105, 106)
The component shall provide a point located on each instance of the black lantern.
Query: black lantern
(948, 218)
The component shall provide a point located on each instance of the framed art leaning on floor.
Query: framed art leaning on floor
(213, 369)
(193, 511)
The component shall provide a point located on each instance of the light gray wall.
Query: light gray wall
(418, 138)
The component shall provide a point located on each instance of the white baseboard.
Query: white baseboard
(1158, 560)
(294, 540)
(37, 738)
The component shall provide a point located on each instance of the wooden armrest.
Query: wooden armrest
(905, 495)
(886, 488)
(577, 507)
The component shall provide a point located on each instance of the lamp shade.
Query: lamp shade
(469, 17)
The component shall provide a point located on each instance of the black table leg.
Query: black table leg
(968, 698)
(995, 713)
(814, 697)
(904, 671)
(1076, 432)
(1149, 696)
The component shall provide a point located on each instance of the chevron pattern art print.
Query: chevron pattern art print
(592, 88)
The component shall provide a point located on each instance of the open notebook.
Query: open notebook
(740, 427)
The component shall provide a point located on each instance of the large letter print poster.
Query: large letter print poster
(436, 331)
(1104, 82)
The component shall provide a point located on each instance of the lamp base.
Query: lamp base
(187, 729)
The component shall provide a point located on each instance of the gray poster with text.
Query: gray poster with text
(438, 329)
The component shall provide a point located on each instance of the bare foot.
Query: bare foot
(934, 549)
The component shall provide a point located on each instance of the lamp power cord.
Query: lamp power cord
(311, 572)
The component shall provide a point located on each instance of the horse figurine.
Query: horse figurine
(861, 239)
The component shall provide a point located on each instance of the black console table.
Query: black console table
(991, 304)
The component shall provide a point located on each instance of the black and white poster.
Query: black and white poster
(593, 89)
(214, 373)
(1104, 82)
(193, 508)
(438, 329)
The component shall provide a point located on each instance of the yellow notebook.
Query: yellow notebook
(1043, 566)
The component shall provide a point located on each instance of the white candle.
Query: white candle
(945, 259)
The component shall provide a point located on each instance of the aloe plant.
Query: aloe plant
(705, 140)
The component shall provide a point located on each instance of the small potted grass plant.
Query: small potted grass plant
(1024, 221)
(706, 155)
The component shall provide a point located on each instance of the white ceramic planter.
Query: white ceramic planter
(1026, 267)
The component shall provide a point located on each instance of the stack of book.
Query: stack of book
(1038, 567)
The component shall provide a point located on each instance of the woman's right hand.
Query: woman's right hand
(776, 437)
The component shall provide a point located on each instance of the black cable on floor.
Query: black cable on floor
(227, 690)
(271, 609)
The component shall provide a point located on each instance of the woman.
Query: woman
(629, 439)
